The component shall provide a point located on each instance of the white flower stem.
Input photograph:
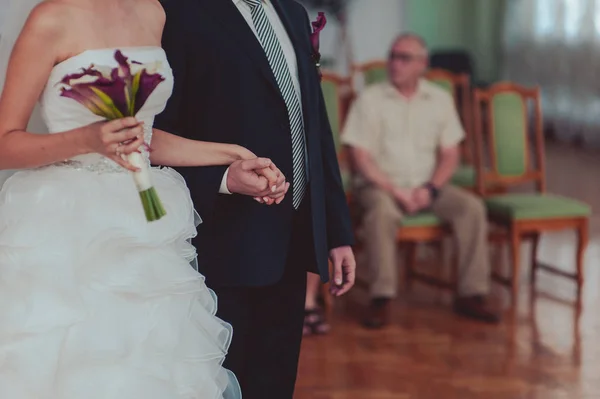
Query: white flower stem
(142, 176)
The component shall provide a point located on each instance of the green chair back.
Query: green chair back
(375, 74)
(509, 134)
(444, 84)
(331, 94)
(457, 85)
(508, 155)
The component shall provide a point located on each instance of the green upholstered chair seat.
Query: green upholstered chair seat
(535, 206)
(423, 219)
(464, 176)
(346, 180)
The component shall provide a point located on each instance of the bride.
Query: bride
(95, 302)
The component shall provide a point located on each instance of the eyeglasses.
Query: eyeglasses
(404, 57)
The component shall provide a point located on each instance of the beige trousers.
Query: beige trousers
(463, 210)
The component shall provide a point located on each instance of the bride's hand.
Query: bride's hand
(115, 138)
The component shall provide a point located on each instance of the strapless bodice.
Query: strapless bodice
(62, 114)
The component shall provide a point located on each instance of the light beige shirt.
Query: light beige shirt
(286, 47)
(403, 135)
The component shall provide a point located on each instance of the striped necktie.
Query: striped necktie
(283, 77)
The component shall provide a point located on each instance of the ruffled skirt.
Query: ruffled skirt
(97, 303)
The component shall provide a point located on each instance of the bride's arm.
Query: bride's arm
(171, 150)
(33, 57)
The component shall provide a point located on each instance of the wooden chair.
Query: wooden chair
(424, 228)
(421, 229)
(459, 87)
(337, 93)
(371, 72)
(503, 141)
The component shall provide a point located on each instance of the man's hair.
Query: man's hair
(415, 37)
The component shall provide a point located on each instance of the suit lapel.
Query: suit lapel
(235, 26)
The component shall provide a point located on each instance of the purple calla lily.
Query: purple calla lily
(147, 83)
(114, 95)
(89, 72)
(86, 101)
(318, 25)
(106, 95)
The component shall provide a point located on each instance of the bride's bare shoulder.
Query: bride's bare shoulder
(48, 18)
(152, 10)
(52, 12)
(157, 8)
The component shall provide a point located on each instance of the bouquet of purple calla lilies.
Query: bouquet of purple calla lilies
(318, 25)
(116, 93)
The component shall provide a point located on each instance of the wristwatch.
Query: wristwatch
(433, 190)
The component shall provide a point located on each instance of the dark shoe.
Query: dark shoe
(475, 307)
(314, 322)
(378, 314)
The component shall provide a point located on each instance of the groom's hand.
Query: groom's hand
(344, 270)
(243, 178)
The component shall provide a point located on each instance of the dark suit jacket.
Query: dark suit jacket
(225, 92)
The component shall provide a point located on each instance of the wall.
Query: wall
(487, 32)
(370, 29)
(442, 23)
(474, 25)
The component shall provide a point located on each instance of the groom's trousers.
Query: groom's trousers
(267, 321)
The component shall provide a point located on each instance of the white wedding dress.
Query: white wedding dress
(95, 302)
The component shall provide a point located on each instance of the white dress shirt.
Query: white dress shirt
(286, 46)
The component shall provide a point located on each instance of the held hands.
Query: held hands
(404, 198)
(258, 178)
(277, 184)
(422, 197)
(249, 175)
(413, 200)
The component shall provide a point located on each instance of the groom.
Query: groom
(244, 74)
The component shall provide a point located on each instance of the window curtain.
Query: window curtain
(556, 44)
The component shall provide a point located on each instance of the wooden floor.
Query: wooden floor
(544, 349)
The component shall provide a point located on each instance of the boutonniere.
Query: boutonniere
(317, 27)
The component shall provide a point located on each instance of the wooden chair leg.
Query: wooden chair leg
(534, 263)
(409, 267)
(454, 271)
(515, 251)
(440, 257)
(327, 299)
(582, 242)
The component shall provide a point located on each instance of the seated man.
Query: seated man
(404, 138)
